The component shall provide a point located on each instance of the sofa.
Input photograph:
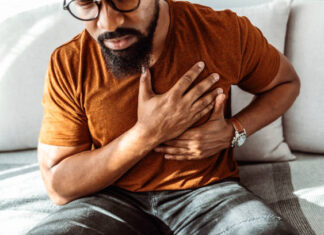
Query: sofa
(282, 163)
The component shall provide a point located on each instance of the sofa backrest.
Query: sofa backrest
(27, 40)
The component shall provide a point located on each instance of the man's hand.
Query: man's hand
(203, 141)
(167, 116)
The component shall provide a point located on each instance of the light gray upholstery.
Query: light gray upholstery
(291, 188)
(304, 122)
(26, 42)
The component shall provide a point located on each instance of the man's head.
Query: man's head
(125, 38)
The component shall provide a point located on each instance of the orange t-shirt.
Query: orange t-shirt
(84, 103)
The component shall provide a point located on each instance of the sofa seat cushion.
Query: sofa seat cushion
(23, 198)
(293, 189)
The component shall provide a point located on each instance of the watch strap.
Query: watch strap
(239, 133)
(237, 125)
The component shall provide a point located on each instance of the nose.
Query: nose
(109, 19)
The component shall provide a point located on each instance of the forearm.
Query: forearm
(267, 107)
(91, 171)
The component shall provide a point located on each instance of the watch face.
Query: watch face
(241, 139)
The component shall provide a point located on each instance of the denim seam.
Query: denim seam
(248, 220)
(153, 203)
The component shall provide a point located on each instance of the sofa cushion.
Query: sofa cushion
(26, 42)
(304, 121)
(293, 189)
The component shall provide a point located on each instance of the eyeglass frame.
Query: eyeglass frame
(66, 6)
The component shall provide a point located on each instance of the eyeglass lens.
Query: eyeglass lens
(89, 9)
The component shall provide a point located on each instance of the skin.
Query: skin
(72, 172)
(109, 20)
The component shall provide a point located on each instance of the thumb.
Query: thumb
(145, 87)
(219, 107)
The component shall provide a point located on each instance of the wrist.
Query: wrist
(239, 133)
(146, 135)
(230, 133)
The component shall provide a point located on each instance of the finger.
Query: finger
(219, 107)
(203, 112)
(187, 135)
(205, 100)
(219, 90)
(177, 143)
(178, 157)
(172, 150)
(145, 87)
(187, 79)
(202, 87)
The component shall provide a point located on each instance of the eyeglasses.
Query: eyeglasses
(87, 10)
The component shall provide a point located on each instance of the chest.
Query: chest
(111, 105)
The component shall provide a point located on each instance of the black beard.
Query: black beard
(123, 63)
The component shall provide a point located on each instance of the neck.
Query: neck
(161, 32)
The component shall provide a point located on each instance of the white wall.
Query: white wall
(11, 7)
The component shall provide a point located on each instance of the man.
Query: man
(137, 135)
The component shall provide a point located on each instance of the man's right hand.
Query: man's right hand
(168, 115)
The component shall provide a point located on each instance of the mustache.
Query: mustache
(119, 32)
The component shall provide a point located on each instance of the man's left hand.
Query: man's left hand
(202, 141)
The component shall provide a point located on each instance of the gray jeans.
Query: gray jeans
(221, 208)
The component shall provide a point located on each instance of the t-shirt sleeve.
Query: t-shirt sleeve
(64, 122)
(260, 61)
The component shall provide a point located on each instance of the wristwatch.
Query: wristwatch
(240, 133)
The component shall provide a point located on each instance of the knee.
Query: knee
(277, 225)
(266, 226)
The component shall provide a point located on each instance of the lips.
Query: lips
(120, 43)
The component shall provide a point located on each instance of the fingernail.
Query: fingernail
(143, 70)
(219, 91)
(201, 64)
(167, 156)
(216, 77)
